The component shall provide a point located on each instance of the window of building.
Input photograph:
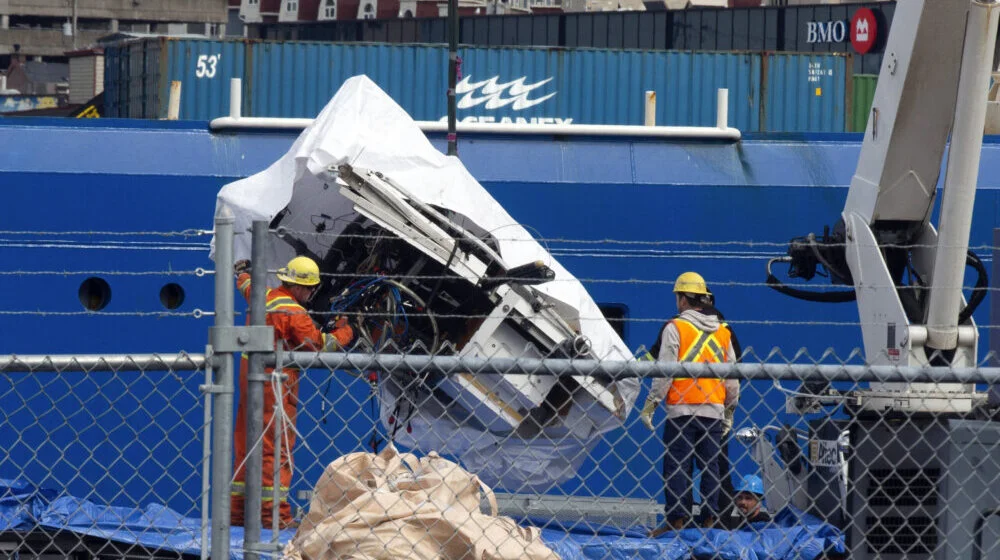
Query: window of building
(369, 12)
(234, 26)
(330, 9)
(292, 6)
(407, 14)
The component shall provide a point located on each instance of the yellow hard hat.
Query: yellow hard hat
(300, 270)
(690, 283)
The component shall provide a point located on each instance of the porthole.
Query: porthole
(94, 293)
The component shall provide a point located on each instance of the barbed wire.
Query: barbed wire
(196, 272)
(197, 232)
(196, 314)
(115, 246)
(626, 242)
(192, 232)
(602, 318)
(639, 281)
(200, 272)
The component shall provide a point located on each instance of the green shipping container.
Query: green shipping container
(862, 95)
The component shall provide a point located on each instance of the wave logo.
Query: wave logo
(497, 95)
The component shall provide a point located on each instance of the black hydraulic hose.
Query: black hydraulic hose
(811, 238)
(837, 296)
(977, 545)
(980, 289)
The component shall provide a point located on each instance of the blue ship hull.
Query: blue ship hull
(695, 205)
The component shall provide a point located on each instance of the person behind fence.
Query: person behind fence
(727, 492)
(749, 502)
(696, 408)
(293, 330)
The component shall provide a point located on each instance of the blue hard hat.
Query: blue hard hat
(751, 483)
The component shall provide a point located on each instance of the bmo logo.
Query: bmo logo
(826, 31)
(861, 31)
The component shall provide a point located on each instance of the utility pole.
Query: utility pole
(452, 75)
(74, 24)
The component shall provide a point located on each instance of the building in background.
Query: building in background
(292, 11)
(44, 30)
(33, 77)
(86, 74)
(296, 11)
(858, 30)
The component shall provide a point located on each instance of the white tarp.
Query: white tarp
(364, 127)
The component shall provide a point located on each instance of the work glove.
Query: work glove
(342, 331)
(647, 412)
(242, 266)
(727, 420)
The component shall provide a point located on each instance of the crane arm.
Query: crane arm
(906, 274)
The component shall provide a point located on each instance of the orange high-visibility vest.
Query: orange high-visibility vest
(699, 347)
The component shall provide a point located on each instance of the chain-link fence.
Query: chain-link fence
(388, 443)
(102, 446)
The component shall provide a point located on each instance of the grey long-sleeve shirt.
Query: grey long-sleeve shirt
(668, 353)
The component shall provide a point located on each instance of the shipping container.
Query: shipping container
(861, 101)
(805, 93)
(511, 85)
(546, 86)
(804, 28)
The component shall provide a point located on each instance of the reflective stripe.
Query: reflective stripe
(706, 341)
(695, 349)
(267, 491)
(282, 301)
(713, 347)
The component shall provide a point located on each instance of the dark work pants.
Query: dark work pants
(690, 439)
(727, 492)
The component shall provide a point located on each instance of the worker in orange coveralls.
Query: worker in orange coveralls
(295, 331)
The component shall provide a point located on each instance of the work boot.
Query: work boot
(668, 527)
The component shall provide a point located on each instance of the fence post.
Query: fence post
(206, 468)
(222, 426)
(255, 396)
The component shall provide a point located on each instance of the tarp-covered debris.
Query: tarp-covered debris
(396, 184)
(403, 506)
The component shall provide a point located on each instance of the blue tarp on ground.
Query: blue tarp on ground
(792, 535)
